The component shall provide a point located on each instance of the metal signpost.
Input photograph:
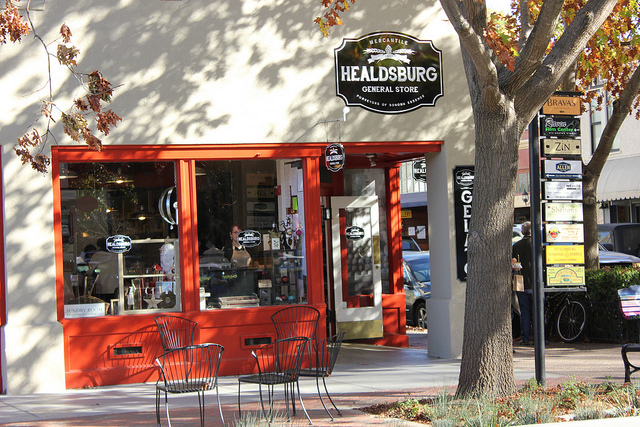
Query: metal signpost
(564, 253)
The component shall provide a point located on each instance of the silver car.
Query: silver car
(416, 270)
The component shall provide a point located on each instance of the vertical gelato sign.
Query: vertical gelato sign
(388, 72)
(463, 177)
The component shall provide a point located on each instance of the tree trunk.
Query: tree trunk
(487, 345)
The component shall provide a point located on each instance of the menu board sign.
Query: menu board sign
(563, 211)
(565, 254)
(563, 169)
(560, 104)
(552, 147)
(572, 275)
(564, 233)
(563, 190)
(560, 126)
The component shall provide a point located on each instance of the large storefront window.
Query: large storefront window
(120, 238)
(250, 232)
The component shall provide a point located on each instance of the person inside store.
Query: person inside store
(105, 270)
(235, 252)
(242, 265)
(522, 261)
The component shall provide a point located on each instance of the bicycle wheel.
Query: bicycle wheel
(571, 321)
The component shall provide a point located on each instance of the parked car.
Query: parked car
(620, 237)
(416, 269)
(409, 244)
(612, 258)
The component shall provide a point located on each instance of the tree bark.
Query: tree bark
(503, 104)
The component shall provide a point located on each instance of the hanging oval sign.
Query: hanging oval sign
(249, 238)
(334, 158)
(354, 232)
(420, 170)
(118, 244)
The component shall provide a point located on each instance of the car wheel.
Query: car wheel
(420, 315)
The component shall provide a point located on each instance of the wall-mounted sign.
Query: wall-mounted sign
(388, 72)
(118, 244)
(564, 254)
(564, 233)
(552, 147)
(74, 311)
(567, 169)
(560, 126)
(463, 177)
(354, 232)
(334, 157)
(572, 275)
(406, 214)
(420, 170)
(563, 105)
(250, 238)
(563, 211)
(563, 190)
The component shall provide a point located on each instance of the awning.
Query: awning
(619, 179)
(413, 200)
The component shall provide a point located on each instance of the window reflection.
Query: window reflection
(119, 234)
(251, 240)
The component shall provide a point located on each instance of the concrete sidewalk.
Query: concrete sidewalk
(365, 375)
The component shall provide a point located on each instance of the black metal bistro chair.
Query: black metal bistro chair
(278, 363)
(297, 321)
(175, 331)
(192, 369)
(327, 355)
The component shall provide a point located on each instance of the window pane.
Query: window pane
(119, 233)
(250, 232)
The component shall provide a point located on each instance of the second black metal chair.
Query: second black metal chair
(191, 369)
(278, 363)
(175, 331)
(327, 355)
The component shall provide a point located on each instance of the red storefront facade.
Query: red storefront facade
(281, 193)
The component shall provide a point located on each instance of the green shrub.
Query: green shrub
(605, 321)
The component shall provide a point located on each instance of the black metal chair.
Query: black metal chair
(327, 356)
(192, 369)
(278, 363)
(297, 321)
(175, 331)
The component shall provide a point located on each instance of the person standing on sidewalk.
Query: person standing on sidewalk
(522, 253)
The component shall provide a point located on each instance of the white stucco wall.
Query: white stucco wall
(200, 72)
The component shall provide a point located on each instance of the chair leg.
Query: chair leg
(301, 402)
(324, 382)
(166, 406)
(201, 408)
(322, 400)
(158, 406)
(219, 405)
(239, 410)
(264, 412)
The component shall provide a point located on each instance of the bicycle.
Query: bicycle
(565, 314)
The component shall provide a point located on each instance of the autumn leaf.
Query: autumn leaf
(65, 32)
(12, 24)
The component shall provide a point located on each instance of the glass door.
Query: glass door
(357, 266)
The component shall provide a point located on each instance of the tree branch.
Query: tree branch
(476, 48)
(536, 44)
(547, 77)
(621, 109)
